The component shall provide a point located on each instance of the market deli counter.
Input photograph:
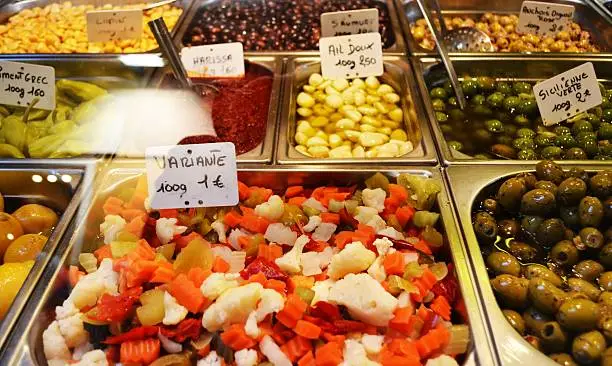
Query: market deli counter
(34, 341)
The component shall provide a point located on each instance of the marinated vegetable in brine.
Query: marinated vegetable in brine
(326, 275)
(502, 31)
(274, 25)
(63, 132)
(547, 241)
(502, 120)
(62, 28)
(356, 118)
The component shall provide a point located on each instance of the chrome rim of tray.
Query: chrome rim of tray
(25, 344)
(513, 68)
(398, 47)
(80, 174)
(398, 74)
(589, 15)
(465, 183)
(9, 9)
(264, 152)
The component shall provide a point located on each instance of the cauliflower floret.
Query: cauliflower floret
(377, 223)
(281, 234)
(72, 330)
(271, 302)
(355, 354)
(324, 231)
(217, 283)
(442, 360)
(56, 363)
(310, 264)
(271, 210)
(403, 300)
(372, 343)
(220, 229)
(233, 237)
(233, 306)
(174, 312)
(374, 198)
(321, 290)
(250, 327)
(273, 352)
(93, 358)
(392, 233)
(313, 222)
(365, 299)
(325, 257)
(377, 269)
(110, 228)
(66, 310)
(81, 350)
(212, 359)
(354, 258)
(313, 203)
(54, 344)
(246, 357)
(364, 214)
(290, 262)
(382, 246)
(166, 229)
(93, 285)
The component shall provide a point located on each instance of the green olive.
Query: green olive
(565, 142)
(529, 178)
(439, 93)
(527, 154)
(508, 228)
(607, 204)
(564, 254)
(485, 227)
(578, 314)
(588, 270)
(544, 140)
(512, 290)
(552, 152)
(523, 143)
(496, 100)
(521, 87)
(571, 191)
(590, 211)
(605, 298)
(549, 170)
(605, 281)
(503, 149)
(531, 223)
(478, 99)
(504, 88)
(516, 320)
(538, 201)
(510, 193)
(441, 117)
(438, 105)
(456, 114)
(551, 231)
(490, 205)
(562, 130)
(588, 347)
(585, 287)
(526, 132)
(604, 323)
(569, 215)
(540, 271)
(582, 126)
(601, 185)
(563, 359)
(589, 146)
(522, 120)
(579, 173)
(470, 87)
(494, 126)
(605, 255)
(503, 263)
(486, 83)
(605, 131)
(511, 103)
(575, 153)
(535, 319)
(522, 251)
(547, 185)
(606, 358)
(554, 338)
(591, 237)
(545, 296)
(455, 145)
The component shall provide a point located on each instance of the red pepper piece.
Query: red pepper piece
(115, 308)
(135, 334)
(401, 244)
(348, 326)
(187, 329)
(347, 219)
(326, 311)
(448, 287)
(269, 269)
(430, 322)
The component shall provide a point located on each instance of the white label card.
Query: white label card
(544, 19)
(354, 56)
(199, 175)
(111, 25)
(567, 94)
(215, 60)
(342, 23)
(20, 83)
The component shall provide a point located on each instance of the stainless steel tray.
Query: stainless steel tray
(398, 74)
(398, 47)
(465, 183)
(428, 70)
(264, 152)
(588, 16)
(58, 185)
(25, 345)
(12, 8)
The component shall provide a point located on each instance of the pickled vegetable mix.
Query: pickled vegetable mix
(309, 276)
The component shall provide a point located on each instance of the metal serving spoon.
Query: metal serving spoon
(463, 39)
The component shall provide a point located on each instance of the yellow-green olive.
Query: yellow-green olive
(606, 358)
(535, 320)
(539, 202)
(511, 290)
(554, 337)
(605, 281)
(515, 319)
(578, 314)
(549, 170)
(585, 287)
(545, 296)
(588, 347)
(565, 254)
(503, 263)
(510, 193)
(538, 270)
(588, 270)
(605, 298)
(563, 359)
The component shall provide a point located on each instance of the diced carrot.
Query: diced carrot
(236, 338)
(403, 347)
(330, 217)
(186, 293)
(163, 275)
(307, 329)
(296, 347)
(293, 311)
(433, 341)
(391, 205)
(329, 354)
(336, 196)
(300, 281)
(220, 265)
(232, 219)
(307, 360)
(263, 193)
(258, 277)
(74, 275)
(112, 206)
(319, 192)
(337, 338)
(441, 307)
(281, 333)
(136, 226)
(255, 224)
(321, 276)
(404, 214)
(394, 263)
(423, 247)
(247, 210)
(293, 191)
(269, 252)
(276, 285)
(140, 271)
(141, 192)
(243, 191)
(184, 240)
(144, 250)
(398, 191)
(198, 275)
(103, 252)
(343, 238)
(297, 201)
(244, 241)
(130, 214)
(402, 320)
(388, 358)
(143, 351)
(169, 213)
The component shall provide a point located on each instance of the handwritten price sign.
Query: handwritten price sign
(217, 60)
(111, 25)
(544, 19)
(350, 57)
(342, 23)
(21, 82)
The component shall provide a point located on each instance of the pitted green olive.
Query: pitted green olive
(535, 320)
(540, 271)
(516, 320)
(585, 287)
(503, 263)
(522, 251)
(590, 211)
(551, 231)
(545, 296)
(554, 337)
(591, 237)
(588, 270)
(539, 202)
(485, 227)
(565, 253)
(549, 170)
(571, 191)
(511, 192)
(511, 290)
(563, 359)
(578, 314)
(508, 228)
(605, 281)
(588, 347)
